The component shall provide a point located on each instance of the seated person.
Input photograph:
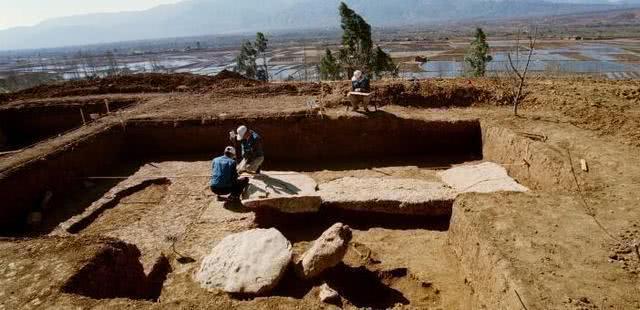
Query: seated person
(252, 152)
(359, 84)
(224, 178)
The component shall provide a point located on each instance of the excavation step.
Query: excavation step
(287, 192)
(485, 177)
(388, 195)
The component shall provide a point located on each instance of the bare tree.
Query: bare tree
(521, 73)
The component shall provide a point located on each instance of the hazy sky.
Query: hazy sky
(30, 12)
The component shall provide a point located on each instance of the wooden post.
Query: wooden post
(106, 104)
(583, 165)
(84, 121)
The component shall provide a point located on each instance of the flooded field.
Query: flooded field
(613, 59)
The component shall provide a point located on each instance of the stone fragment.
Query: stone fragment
(287, 192)
(250, 262)
(328, 295)
(486, 177)
(326, 252)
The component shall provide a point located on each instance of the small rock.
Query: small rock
(328, 295)
(326, 252)
(251, 262)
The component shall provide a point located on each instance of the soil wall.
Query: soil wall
(536, 164)
(301, 138)
(24, 187)
(25, 125)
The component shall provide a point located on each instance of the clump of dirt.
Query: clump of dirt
(115, 272)
(626, 252)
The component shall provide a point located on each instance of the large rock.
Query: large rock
(388, 195)
(486, 177)
(326, 252)
(287, 192)
(251, 262)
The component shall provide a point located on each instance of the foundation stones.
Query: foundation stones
(287, 192)
(388, 195)
(486, 177)
(326, 252)
(251, 262)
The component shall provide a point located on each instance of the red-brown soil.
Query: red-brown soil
(567, 244)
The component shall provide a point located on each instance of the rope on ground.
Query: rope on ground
(585, 205)
(520, 299)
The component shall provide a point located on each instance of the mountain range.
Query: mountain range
(205, 17)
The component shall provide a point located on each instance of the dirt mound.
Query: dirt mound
(426, 94)
(135, 83)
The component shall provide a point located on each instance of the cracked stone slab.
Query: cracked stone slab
(485, 177)
(287, 192)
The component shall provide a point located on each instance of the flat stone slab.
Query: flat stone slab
(287, 192)
(388, 195)
(250, 262)
(486, 177)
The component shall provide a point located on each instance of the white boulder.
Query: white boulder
(251, 262)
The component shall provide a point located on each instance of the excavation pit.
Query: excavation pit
(150, 189)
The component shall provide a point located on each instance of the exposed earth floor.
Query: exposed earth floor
(571, 242)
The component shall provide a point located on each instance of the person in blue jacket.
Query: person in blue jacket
(224, 177)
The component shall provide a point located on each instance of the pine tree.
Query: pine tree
(357, 52)
(476, 56)
(382, 63)
(261, 49)
(246, 60)
(329, 68)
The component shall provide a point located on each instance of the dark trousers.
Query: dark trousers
(235, 190)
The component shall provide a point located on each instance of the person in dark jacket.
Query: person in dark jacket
(252, 151)
(224, 177)
(360, 90)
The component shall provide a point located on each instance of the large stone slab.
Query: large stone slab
(388, 195)
(287, 192)
(251, 262)
(486, 177)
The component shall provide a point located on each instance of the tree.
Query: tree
(261, 48)
(357, 50)
(329, 68)
(382, 63)
(476, 56)
(246, 60)
(520, 79)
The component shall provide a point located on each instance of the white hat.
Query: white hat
(241, 131)
(356, 75)
(230, 150)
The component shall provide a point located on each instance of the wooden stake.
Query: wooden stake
(84, 121)
(583, 165)
(106, 103)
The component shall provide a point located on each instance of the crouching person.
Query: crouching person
(224, 179)
(252, 153)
